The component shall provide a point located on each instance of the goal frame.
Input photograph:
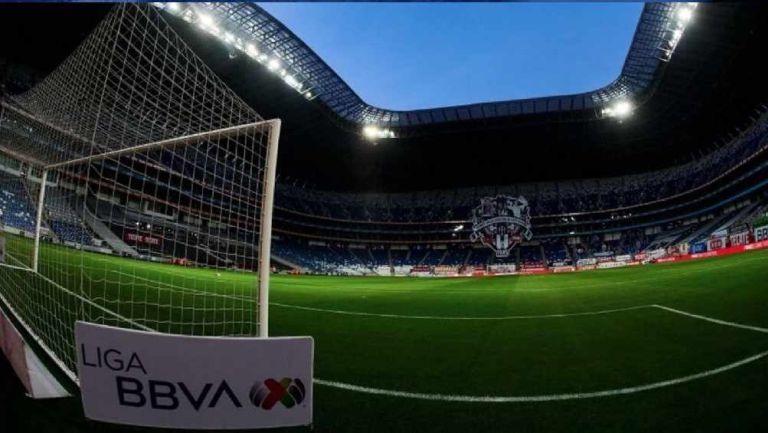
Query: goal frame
(267, 199)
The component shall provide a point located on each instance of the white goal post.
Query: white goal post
(267, 206)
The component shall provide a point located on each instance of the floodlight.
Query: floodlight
(620, 109)
(273, 64)
(173, 7)
(372, 132)
(684, 14)
(251, 50)
(291, 81)
(205, 20)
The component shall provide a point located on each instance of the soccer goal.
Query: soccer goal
(136, 190)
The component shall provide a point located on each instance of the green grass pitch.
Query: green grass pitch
(447, 337)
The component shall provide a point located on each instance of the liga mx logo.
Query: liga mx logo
(289, 392)
(501, 223)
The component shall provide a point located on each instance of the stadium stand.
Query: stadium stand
(16, 209)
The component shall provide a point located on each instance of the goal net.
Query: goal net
(134, 190)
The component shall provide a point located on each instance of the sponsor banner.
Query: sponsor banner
(586, 262)
(507, 268)
(605, 259)
(534, 270)
(698, 247)
(2, 249)
(563, 269)
(715, 243)
(640, 256)
(761, 233)
(174, 381)
(704, 255)
(33, 375)
(756, 245)
(604, 254)
(739, 238)
(609, 265)
(446, 270)
(141, 239)
(624, 258)
(634, 263)
(587, 267)
(668, 259)
(716, 253)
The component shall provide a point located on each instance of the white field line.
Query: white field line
(423, 317)
(539, 397)
(667, 274)
(567, 396)
(391, 316)
(400, 316)
(713, 320)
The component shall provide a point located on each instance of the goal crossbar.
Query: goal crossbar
(171, 142)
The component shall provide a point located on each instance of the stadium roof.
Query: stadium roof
(684, 104)
(270, 41)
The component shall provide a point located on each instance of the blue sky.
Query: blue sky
(421, 55)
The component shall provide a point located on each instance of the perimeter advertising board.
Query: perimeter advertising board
(761, 233)
(161, 380)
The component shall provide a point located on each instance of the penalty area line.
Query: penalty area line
(541, 397)
(712, 319)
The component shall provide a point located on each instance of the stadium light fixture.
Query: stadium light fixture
(458, 227)
(209, 21)
(621, 109)
(205, 21)
(684, 14)
(373, 132)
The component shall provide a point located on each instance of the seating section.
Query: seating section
(545, 198)
(15, 207)
(63, 217)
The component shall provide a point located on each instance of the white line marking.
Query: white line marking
(420, 317)
(385, 315)
(713, 320)
(541, 397)
(400, 316)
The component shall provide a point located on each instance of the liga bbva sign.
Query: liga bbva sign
(160, 380)
(501, 223)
